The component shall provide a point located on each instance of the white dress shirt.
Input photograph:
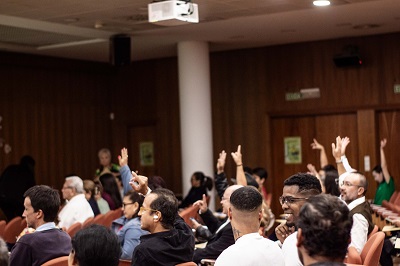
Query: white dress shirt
(76, 210)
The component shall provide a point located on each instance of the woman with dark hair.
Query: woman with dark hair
(110, 191)
(382, 177)
(128, 227)
(200, 184)
(331, 182)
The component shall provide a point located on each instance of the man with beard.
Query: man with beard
(296, 190)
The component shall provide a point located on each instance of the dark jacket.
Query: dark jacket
(165, 248)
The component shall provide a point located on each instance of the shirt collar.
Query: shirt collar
(46, 226)
(356, 202)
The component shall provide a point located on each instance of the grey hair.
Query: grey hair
(76, 182)
(4, 257)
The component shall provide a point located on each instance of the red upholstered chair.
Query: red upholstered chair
(191, 211)
(73, 229)
(108, 218)
(99, 219)
(124, 263)
(2, 227)
(189, 263)
(376, 228)
(61, 261)
(12, 230)
(372, 250)
(88, 222)
(352, 256)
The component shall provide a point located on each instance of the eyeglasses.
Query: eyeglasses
(143, 209)
(126, 204)
(66, 187)
(348, 184)
(289, 200)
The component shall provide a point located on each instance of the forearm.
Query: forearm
(125, 178)
(323, 159)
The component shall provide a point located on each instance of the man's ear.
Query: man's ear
(361, 191)
(230, 213)
(299, 238)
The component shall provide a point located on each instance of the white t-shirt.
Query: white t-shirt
(251, 250)
(76, 210)
(290, 252)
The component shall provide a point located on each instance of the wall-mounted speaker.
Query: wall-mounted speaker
(120, 50)
(348, 58)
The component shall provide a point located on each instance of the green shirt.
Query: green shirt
(384, 191)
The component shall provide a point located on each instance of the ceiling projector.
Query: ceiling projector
(173, 13)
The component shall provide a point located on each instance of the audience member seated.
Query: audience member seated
(267, 220)
(106, 167)
(90, 191)
(323, 233)
(77, 208)
(4, 257)
(170, 241)
(381, 175)
(102, 203)
(127, 227)
(47, 242)
(250, 248)
(110, 191)
(353, 192)
(200, 185)
(260, 175)
(296, 190)
(93, 246)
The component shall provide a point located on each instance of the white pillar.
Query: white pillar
(195, 112)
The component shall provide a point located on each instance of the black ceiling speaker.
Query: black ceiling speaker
(120, 50)
(348, 58)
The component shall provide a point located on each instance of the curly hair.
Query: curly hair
(325, 224)
(308, 184)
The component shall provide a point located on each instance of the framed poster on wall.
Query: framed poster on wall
(292, 150)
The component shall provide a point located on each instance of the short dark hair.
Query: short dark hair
(261, 172)
(246, 199)
(167, 204)
(331, 183)
(308, 184)
(325, 224)
(135, 197)
(46, 199)
(96, 245)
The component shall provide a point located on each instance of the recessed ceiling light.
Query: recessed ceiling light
(321, 3)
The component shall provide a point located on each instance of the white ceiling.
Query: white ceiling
(45, 26)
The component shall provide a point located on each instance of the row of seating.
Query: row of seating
(102, 219)
(388, 210)
(371, 252)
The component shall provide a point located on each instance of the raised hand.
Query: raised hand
(123, 158)
(316, 145)
(344, 142)
(237, 156)
(337, 149)
(202, 204)
(221, 162)
(383, 143)
(139, 183)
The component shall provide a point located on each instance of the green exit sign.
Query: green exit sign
(396, 88)
(293, 96)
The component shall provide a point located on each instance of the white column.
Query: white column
(195, 112)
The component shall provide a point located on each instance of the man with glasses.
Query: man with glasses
(77, 208)
(170, 241)
(296, 190)
(352, 191)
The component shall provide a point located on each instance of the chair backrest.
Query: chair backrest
(108, 218)
(61, 261)
(352, 256)
(88, 222)
(2, 227)
(376, 228)
(12, 230)
(191, 211)
(189, 263)
(372, 250)
(73, 229)
(98, 219)
(124, 263)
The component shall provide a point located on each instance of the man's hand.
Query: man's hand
(221, 162)
(337, 149)
(237, 156)
(282, 231)
(202, 204)
(123, 158)
(344, 142)
(139, 183)
(383, 143)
